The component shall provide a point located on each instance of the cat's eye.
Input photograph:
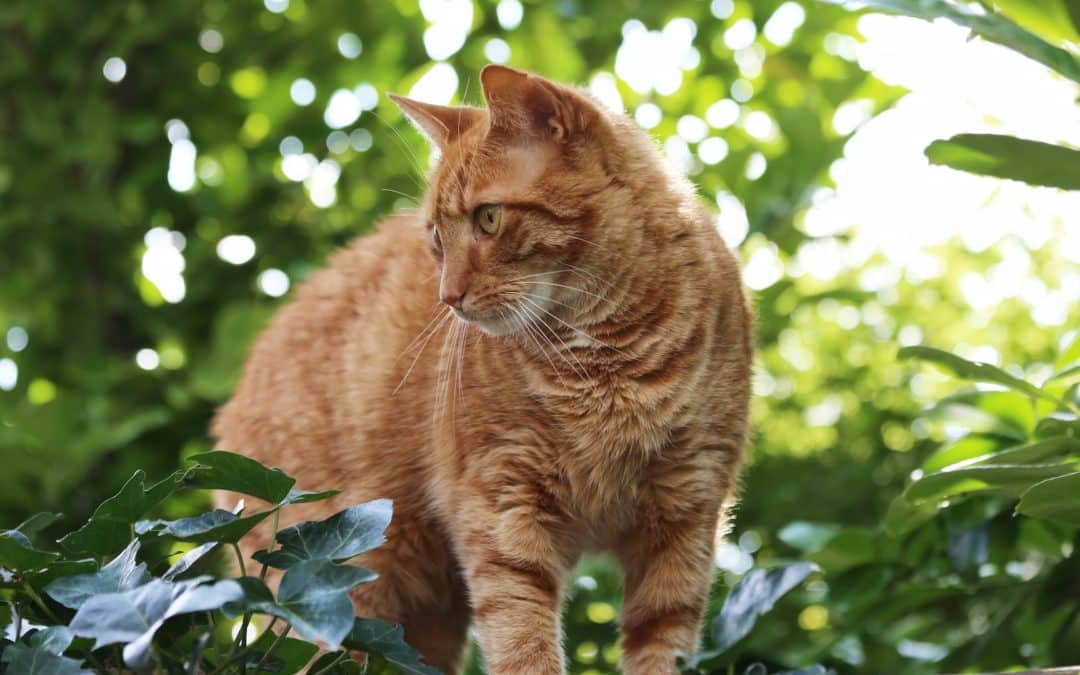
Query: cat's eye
(436, 240)
(488, 217)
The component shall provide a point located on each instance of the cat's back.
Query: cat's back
(328, 347)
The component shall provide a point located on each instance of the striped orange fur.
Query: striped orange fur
(582, 385)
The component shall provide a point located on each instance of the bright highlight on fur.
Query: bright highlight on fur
(551, 356)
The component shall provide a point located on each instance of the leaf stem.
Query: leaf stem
(240, 559)
(40, 603)
(18, 619)
(273, 542)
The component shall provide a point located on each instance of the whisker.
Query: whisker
(579, 290)
(431, 334)
(555, 349)
(518, 311)
(575, 329)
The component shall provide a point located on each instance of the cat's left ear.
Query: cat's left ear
(525, 104)
(442, 124)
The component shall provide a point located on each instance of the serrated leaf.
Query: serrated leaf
(313, 597)
(19, 555)
(217, 525)
(343, 535)
(1031, 162)
(26, 660)
(753, 596)
(1005, 479)
(1055, 499)
(220, 470)
(123, 573)
(375, 636)
(188, 560)
(109, 529)
(133, 617)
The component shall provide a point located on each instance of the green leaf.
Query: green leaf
(1047, 18)
(807, 537)
(1058, 425)
(289, 657)
(189, 560)
(221, 470)
(335, 663)
(1055, 499)
(1033, 452)
(306, 497)
(903, 516)
(38, 522)
(990, 26)
(54, 639)
(19, 555)
(217, 525)
(972, 370)
(60, 568)
(313, 597)
(753, 596)
(343, 535)
(966, 448)
(123, 573)
(847, 548)
(26, 660)
(1032, 162)
(133, 617)
(109, 529)
(1006, 479)
(374, 636)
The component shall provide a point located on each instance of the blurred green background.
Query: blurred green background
(169, 170)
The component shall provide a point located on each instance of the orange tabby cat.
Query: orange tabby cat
(551, 356)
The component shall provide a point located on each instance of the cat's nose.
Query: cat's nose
(452, 292)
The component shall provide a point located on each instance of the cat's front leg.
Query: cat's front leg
(668, 568)
(515, 583)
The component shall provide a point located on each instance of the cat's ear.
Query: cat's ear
(442, 124)
(523, 103)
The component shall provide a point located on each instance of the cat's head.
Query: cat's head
(515, 200)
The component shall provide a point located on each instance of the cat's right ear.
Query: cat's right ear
(442, 124)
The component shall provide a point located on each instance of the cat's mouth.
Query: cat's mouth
(492, 323)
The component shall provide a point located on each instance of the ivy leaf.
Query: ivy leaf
(375, 636)
(19, 555)
(188, 560)
(306, 497)
(38, 522)
(54, 639)
(26, 660)
(753, 596)
(343, 535)
(217, 525)
(109, 529)
(133, 617)
(1055, 498)
(313, 597)
(290, 655)
(1001, 156)
(123, 573)
(220, 470)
